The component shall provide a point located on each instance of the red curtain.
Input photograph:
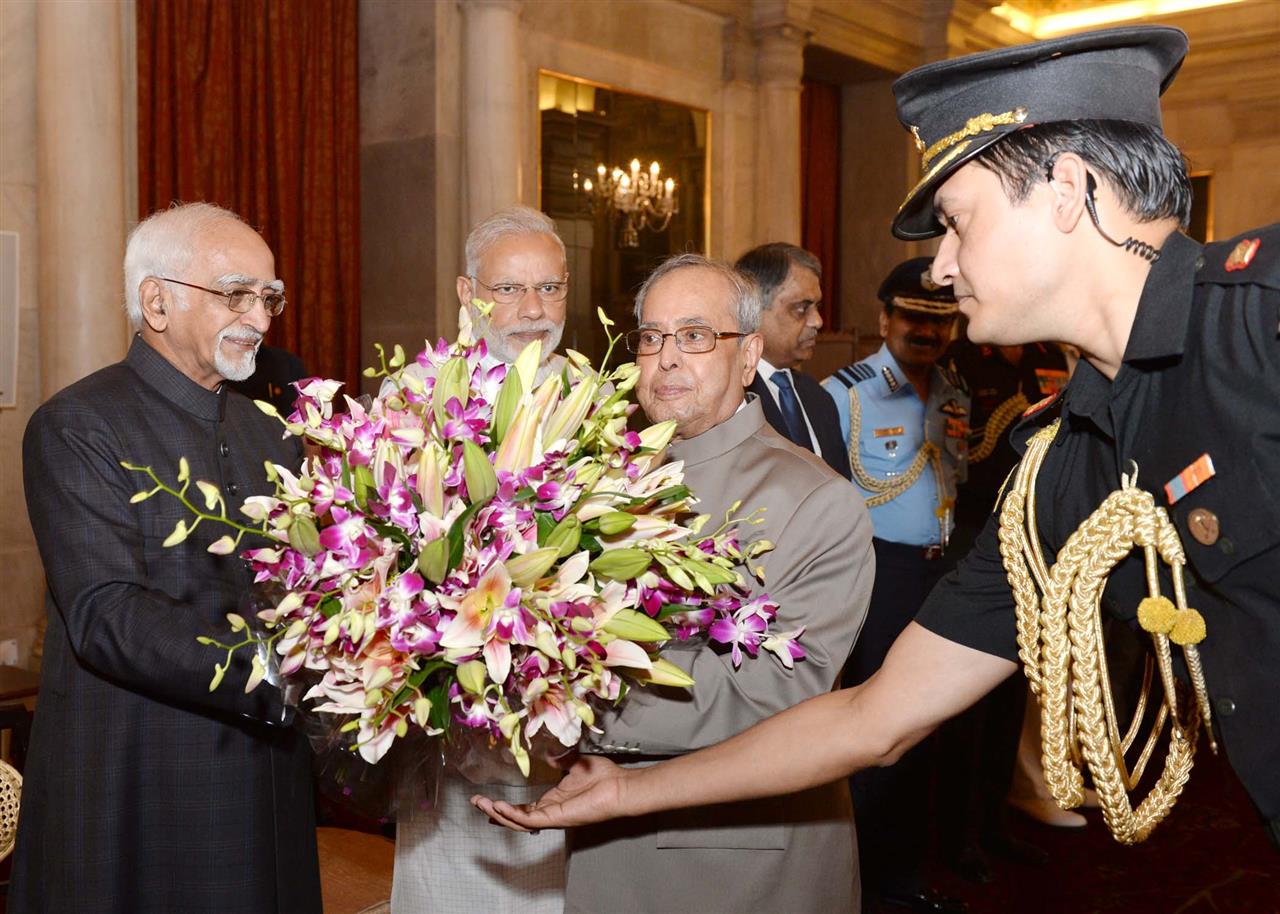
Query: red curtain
(253, 105)
(820, 188)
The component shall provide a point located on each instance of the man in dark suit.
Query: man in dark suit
(145, 791)
(797, 407)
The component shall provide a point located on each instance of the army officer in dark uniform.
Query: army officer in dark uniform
(1045, 169)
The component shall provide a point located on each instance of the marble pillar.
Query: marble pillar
(492, 93)
(80, 186)
(779, 70)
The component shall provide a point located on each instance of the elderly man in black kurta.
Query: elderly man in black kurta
(146, 791)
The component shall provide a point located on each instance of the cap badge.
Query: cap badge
(974, 126)
(1242, 254)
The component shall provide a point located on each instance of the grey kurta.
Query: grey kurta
(787, 854)
(449, 858)
(144, 790)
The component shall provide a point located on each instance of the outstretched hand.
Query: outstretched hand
(591, 792)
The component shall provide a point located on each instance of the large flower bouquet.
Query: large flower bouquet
(472, 551)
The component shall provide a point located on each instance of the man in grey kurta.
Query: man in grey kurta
(448, 858)
(145, 791)
(791, 854)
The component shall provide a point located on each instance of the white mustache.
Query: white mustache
(251, 336)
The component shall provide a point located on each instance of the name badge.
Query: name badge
(888, 432)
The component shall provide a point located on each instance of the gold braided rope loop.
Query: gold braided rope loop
(1059, 627)
(889, 489)
(997, 423)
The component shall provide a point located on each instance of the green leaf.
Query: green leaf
(330, 607)
(456, 535)
(440, 707)
(546, 524)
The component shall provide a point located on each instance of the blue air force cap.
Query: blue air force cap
(957, 108)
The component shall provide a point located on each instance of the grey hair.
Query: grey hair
(163, 244)
(770, 264)
(745, 294)
(515, 220)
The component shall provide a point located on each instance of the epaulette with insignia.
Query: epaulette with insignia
(854, 374)
(950, 375)
(1249, 259)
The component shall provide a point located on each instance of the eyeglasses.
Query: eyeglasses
(241, 301)
(688, 339)
(508, 293)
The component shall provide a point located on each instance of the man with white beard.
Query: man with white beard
(145, 791)
(447, 858)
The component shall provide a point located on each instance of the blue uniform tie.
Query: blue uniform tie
(797, 431)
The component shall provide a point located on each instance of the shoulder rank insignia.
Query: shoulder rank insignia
(1040, 405)
(854, 374)
(889, 379)
(953, 407)
(1242, 254)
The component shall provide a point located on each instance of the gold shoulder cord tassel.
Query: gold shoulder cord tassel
(1062, 650)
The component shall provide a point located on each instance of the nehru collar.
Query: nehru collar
(722, 438)
(162, 376)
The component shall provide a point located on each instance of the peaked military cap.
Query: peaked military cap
(957, 108)
(911, 287)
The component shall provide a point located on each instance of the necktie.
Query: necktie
(797, 431)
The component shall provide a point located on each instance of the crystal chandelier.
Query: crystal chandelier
(641, 199)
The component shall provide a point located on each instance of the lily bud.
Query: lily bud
(527, 363)
(621, 564)
(504, 409)
(430, 486)
(482, 482)
(616, 522)
(303, 536)
(525, 570)
(567, 418)
(452, 382)
(433, 561)
(636, 626)
(471, 676)
(664, 672)
(547, 643)
(565, 536)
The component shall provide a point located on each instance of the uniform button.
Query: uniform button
(1200, 262)
(232, 488)
(1203, 525)
(1227, 547)
(1226, 707)
(224, 449)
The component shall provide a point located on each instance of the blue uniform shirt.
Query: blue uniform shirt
(895, 424)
